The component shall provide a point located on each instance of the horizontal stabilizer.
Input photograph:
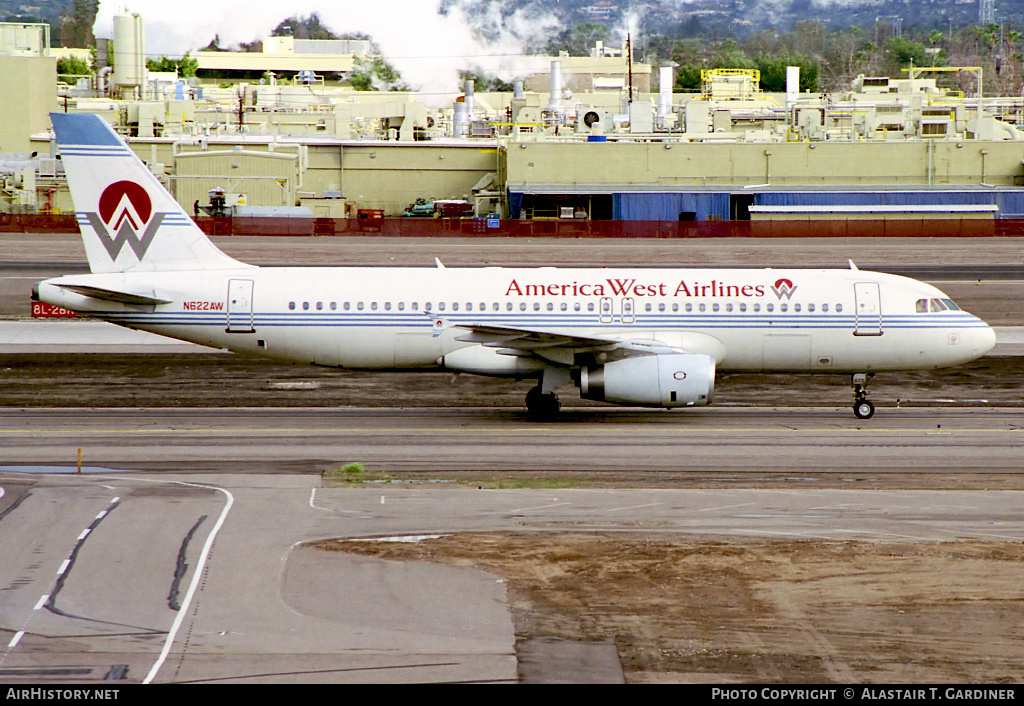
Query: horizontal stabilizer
(112, 295)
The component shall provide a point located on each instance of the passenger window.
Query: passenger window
(401, 306)
(536, 306)
(824, 307)
(661, 307)
(743, 308)
(522, 306)
(440, 306)
(714, 307)
(565, 306)
(576, 306)
(359, 305)
(415, 306)
(689, 308)
(387, 306)
(757, 307)
(319, 306)
(373, 306)
(551, 306)
(810, 308)
(291, 306)
(839, 308)
(590, 306)
(647, 307)
(703, 307)
(469, 306)
(796, 308)
(675, 307)
(783, 307)
(770, 308)
(334, 306)
(427, 306)
(346, 306)
(305, 306)
(455, 306)
(508, 306)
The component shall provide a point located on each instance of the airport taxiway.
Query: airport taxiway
(584, 441)
(116, 577)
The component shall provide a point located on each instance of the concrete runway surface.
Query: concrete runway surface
(584, 441)
(115, 578)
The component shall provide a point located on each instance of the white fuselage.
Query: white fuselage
(408, 318)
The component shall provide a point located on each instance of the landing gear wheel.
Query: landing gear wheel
(542, 406)
(863, 409)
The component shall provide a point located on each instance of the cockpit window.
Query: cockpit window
(922, 306)
(937, 305)
(950, 305)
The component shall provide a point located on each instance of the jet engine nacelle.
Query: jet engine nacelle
(671, 380)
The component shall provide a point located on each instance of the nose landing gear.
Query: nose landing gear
(862, 406)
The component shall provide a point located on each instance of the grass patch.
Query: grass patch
(355, 473)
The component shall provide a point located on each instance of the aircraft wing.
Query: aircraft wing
(561, 346)
(529, 339)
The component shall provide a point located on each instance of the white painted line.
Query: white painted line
(63, 567)
(632, 507)
(42, 601)
(115, 500)
(17, 638)
(85, 533)
(101, 515)
(194, 585)
(539, 507)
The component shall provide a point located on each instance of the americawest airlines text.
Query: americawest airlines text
(630, 287)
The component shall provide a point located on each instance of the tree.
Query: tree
(311, 27)
(186, 66)
(375, 74)
(73, 66)
(76, 24)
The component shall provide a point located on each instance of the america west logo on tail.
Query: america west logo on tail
(125, 209)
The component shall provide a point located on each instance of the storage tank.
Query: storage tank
(129, 51)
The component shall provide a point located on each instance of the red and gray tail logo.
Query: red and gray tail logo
(126, 210)
(784, 288)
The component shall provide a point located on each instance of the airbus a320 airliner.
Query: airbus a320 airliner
(646, 337)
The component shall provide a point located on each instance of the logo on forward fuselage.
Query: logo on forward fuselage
(125, 210)
(784, 288)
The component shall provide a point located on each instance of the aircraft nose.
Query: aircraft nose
(982, 339)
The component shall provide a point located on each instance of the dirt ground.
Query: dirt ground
(706, 611)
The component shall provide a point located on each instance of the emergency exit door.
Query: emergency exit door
(240, 318)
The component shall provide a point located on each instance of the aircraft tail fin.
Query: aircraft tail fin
(128, 220)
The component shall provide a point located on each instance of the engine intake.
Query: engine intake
(673, 380)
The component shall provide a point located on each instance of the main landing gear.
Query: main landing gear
(862, 407)
(542, 405)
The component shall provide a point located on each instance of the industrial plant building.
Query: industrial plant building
(584, 142)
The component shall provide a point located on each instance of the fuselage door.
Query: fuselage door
(240, 319)
(607, 314)
(868, 309)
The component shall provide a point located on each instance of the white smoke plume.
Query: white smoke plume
(426, 47)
